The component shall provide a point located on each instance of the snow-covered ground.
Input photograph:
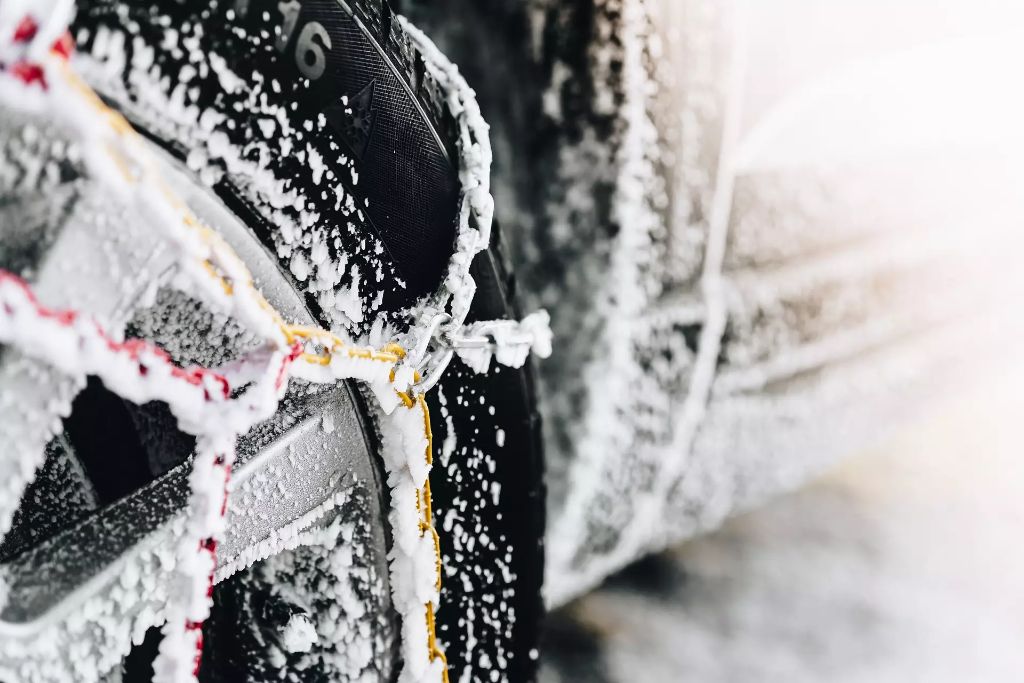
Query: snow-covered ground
(902, 564)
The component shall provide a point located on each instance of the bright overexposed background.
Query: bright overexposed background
(901, 564)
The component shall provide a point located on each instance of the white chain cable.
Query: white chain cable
(507, 341)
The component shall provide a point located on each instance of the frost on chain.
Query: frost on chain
(217, 429)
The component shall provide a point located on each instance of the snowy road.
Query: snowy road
(903, 564)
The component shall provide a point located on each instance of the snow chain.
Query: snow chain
(201, 399)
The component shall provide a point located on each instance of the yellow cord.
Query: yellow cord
(427, 522)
